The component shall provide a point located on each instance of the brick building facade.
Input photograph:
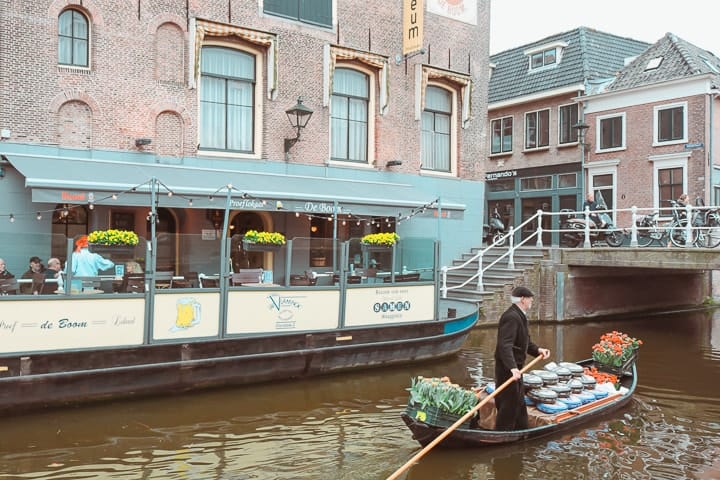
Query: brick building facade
(97, 87)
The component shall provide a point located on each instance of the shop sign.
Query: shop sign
(489, 177)
(321, 207)
(248, 204)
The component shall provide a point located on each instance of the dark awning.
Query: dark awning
(78, 180)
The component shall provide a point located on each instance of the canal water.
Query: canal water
(348, 426)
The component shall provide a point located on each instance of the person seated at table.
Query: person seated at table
(35, 271)
(86, 263)
(4, 273)
(53, 273)
(133, 267)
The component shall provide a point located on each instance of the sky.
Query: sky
(518, 22)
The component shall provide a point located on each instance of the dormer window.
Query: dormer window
(654, 63)
(545, 56)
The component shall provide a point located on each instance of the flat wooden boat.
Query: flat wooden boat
(542, 424)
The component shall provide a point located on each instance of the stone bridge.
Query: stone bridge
(583, 283)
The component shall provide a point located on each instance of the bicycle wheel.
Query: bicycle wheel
(678, 234)
(709, 237)
(643, 238)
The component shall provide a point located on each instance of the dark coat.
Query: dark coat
(513, 339)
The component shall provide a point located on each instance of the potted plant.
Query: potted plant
(117, 244)
(379, 241)
(263, 241)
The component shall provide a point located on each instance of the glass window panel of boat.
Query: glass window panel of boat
(73, 38)
(567, 180)
(227, 100)
(436, 129)
(536, 183)
(567, 118)
(349, 110)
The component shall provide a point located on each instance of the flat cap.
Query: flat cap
(522, 292)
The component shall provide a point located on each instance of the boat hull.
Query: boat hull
(473, 438)
(53, 379)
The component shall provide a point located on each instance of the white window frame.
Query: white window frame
(559, 47)
(598, 121)
(512, 135)
(453, 131)
(656, 123)
(258, 102)
(372, 105)
(89, 39)
(664, 162)
(525, 130)
(559, 118)
(604, 168)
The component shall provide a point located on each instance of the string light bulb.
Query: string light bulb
(38, 216)
(12, 218)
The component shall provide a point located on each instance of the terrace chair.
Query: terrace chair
(190, 280)
(163, 279)
(206, 282)
(9, 286)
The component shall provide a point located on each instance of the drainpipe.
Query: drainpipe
(711, 197)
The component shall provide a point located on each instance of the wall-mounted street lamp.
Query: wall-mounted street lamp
(299, 116)
(581, 128)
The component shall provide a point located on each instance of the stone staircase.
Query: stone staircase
(497, 278)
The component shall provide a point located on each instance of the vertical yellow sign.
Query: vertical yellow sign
(412, 25)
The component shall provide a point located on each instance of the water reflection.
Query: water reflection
(348, 426)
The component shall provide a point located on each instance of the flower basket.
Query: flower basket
(260, 247)
(254, 241)
(114, 252)
(366, 247)
(616, 353)
(379, 242)
(118, 245)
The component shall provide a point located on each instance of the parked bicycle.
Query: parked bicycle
(705, 232)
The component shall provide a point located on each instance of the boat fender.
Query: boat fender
(529, 401)
(555, 407)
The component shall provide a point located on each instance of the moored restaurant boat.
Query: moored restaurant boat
(541, 424)
(71, 347)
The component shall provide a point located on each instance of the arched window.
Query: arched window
(349, 116)
(227, 99)
(73, 39)
(436, 123)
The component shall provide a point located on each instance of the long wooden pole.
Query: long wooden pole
(459, 422)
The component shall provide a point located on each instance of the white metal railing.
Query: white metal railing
(664, 221)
